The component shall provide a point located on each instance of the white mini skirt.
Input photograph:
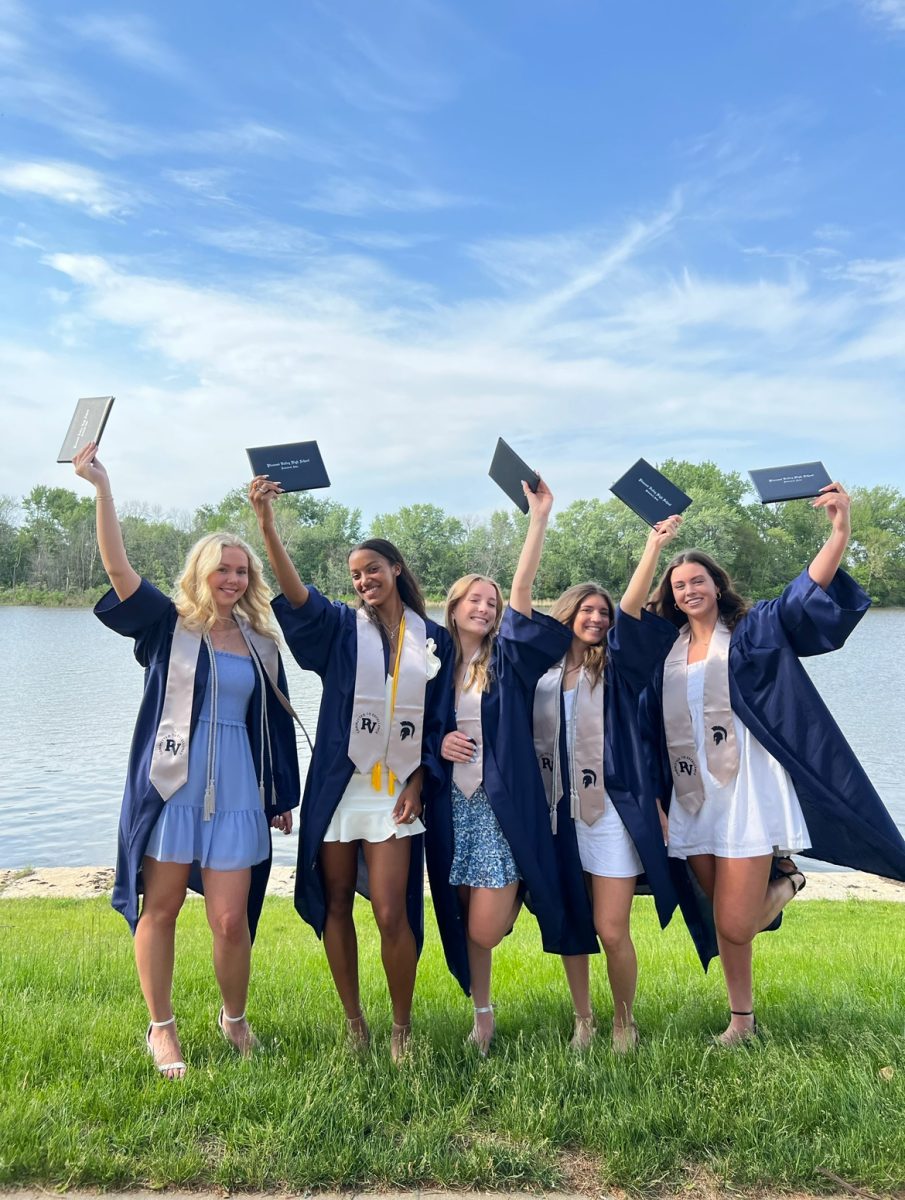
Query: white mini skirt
(364, 815)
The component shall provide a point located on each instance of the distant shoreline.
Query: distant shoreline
(87, 883)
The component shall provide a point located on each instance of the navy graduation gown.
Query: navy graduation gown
(524, 649)
(774, 697)
(635, 648)
(322, 637)
(149, 617)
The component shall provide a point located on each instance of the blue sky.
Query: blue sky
(602, 230)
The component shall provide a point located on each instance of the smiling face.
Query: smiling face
(694, 591)
(373, 576)
(476, 612)
(591, 621)
(229, 581)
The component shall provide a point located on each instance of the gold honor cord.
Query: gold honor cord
(376, 770)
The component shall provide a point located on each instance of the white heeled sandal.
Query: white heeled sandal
(164, 1068)
(478, 1039)
(251, 1042)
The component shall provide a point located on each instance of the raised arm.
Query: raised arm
(261, 492)
(539, 505)
(639, 585)
(836, 502)
(124, 579)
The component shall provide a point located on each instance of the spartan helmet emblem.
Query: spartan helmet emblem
(684, 766)
(406, 729)
(588, 777)
(719, 734)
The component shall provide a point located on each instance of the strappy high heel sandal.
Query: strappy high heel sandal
(737, 1037)
(585, 1030)
(250, 1044)
(478, 1039)
(358, 1033)
(171, 1070)
(777, 872)
(400, 1042)
(625, 1038)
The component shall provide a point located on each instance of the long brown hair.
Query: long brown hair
(732, 607)
(566, 610)
(478, 675)
(406, 583)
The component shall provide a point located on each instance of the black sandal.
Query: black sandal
(737, 1037)
(776, 872)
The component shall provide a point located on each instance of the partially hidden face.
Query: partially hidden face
(694, 590)
(228, 583)
(592, 621)
(373, 576)
(477, 611)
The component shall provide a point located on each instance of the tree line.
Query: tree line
(48, 550)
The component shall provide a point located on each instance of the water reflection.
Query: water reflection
(73, 688)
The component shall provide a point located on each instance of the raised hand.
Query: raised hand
(261, 493)
(837, 503)
(664, 532)
(539, 502)
(88, 466)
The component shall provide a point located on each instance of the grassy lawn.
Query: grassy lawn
(822, 1091)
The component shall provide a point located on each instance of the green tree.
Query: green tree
(431, 543)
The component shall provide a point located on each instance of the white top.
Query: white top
(605, 847)
(755, 813)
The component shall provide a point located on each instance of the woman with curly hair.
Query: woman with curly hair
(213, 762)
(387, 675)
(751, 765)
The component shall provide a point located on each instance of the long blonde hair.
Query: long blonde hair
(478, 674)
(566, 609)
(193, 598)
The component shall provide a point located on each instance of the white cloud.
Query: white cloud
(129, 36)
(356, 197)
(890, 13)
(591, 362)
(65, 183)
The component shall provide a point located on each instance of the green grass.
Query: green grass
(81, 1106)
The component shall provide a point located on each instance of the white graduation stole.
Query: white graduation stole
(370, 741)
(170, 756)
(469, 775)
(722, 747)
(587, 796)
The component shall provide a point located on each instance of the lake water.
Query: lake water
(72, 689)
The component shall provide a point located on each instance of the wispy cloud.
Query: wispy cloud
(716, 366)
(66, 183)
(889, 13)
(264, 239)
(130, 37)
(355, 197)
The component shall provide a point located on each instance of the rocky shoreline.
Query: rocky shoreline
(85, 883)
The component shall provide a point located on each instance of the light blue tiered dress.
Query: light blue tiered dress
(237, 834)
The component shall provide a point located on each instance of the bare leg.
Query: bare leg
(612, 914)
(492, 913)
(388, 872)
(165, 885)
(480, 963)
(339, 861)
(226, 902)
(578, 975)
(744, 902)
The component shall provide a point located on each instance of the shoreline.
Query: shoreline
(88, 883)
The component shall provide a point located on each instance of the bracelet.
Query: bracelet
(109, 496)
